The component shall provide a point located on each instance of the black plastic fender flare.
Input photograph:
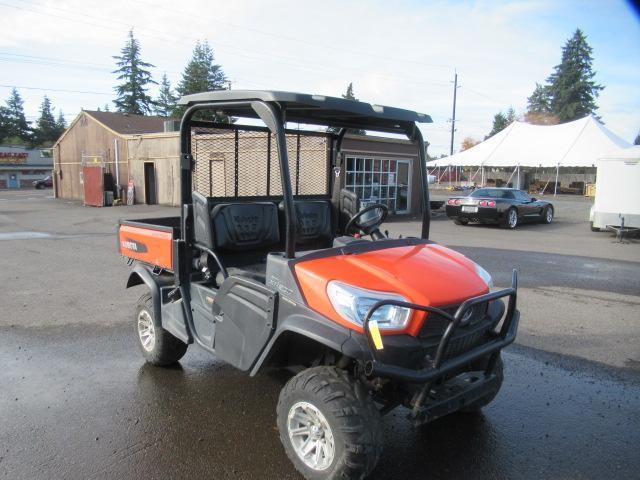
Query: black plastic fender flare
(142, 274)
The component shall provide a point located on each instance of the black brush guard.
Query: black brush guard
(439, 367)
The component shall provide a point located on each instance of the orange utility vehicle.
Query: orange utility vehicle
(272, 263)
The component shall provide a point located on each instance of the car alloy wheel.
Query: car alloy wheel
(311, 436)
(549, 216)
(513, 219)
(146, 330)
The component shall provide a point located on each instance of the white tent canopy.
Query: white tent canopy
(575, 144)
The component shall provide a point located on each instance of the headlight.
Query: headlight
(484, 275)
(353, 303)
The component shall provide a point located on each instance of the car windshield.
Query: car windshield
(492, 193)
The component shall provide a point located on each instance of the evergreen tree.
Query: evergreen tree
(4, 123)
(106, 107)
(165, 104)
(16, 128)
(45, 132)
(61, 124)
(539, 101)
(637, 140)
(132, 71)
(572, 90)
(348, 95)
(201, 74)
(502, 121)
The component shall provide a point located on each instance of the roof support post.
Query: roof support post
(555, 187)
(415, 135)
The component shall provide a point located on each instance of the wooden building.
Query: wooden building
(97, 138)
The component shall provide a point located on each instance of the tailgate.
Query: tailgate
(152, 244)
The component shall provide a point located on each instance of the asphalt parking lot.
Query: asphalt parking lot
(77, 401)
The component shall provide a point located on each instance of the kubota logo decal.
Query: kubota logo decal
(133, 245)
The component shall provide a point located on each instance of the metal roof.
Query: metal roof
(315, 109)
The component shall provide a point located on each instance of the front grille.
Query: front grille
(466, 337)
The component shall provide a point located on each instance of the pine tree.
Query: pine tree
(502, 121)
(45, 132)
(348, 95)
(637, 140)
(201, 74)
(16, 127)
(61, 124)
(106, 107)
(165, 104)
(132, 93)
(4, 123)
(572, 90)
(539, 101)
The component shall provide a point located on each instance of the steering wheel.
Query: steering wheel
(371, 222)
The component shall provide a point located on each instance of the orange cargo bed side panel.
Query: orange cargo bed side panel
(147, 245)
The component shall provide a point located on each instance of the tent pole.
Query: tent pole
(555, 187)
(518, 179)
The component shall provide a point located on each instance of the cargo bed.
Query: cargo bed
(149, 240)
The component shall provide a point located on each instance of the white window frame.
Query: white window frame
(364, 185)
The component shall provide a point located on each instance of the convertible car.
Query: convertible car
(505, 206)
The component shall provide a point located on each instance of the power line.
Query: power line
(56, 90)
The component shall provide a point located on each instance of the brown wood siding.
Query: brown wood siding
(89, 136)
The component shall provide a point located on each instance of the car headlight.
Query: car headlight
(484, 275)
(353, 303)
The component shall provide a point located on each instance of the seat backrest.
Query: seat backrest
(245, 226)
(314, 222)
(202, 224)
(349, 206)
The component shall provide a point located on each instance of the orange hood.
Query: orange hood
(426, 274)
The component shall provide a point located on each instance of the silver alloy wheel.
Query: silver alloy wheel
(146, 331)
(549, 215)
(513, 218)
(311, 436)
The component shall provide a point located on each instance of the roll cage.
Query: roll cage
(276, 108)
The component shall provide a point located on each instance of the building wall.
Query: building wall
(86, 136)
(387, 148)
(26, 164)
(163, 150)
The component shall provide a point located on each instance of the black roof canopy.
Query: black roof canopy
(314, 109)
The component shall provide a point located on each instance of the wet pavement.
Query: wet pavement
(78, 402)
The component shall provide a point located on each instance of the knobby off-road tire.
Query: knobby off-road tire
(344, 406)
(489, 397)
(157, 345)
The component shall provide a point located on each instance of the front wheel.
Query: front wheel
(547, 215)
(329, 426)
(157, 345)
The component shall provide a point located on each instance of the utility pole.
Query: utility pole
(453, 117)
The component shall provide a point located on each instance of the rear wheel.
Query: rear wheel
(488, 398)
(547, 215)
(329, 426)
(461, 221)
(157, 345)
(511, 219)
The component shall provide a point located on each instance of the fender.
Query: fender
(306, 323)
(142, 274)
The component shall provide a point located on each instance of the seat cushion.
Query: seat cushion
(245, 226)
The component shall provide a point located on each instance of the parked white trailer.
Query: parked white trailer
(617, 199)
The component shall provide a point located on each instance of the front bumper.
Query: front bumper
(440, 366)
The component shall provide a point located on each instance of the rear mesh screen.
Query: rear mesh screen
(244, 163)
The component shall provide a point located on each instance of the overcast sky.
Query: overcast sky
(396, 53)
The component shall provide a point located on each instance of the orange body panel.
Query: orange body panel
(146, 245)
(426, 274)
